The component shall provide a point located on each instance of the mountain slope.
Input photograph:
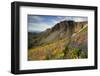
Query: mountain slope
(66, 40)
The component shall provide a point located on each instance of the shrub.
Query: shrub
(78, 52)
(83, 55)
(65, 51)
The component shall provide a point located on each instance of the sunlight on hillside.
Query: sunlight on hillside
(58, 49)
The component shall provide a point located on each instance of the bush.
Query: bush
(83, 55)
(65, 51)
(78, 52)
(73, 53)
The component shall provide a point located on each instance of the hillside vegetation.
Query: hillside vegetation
(58, 43)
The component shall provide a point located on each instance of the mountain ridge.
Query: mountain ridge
(60, 30)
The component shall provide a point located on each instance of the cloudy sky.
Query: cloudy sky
(42, 22)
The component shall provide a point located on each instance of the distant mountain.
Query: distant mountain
(74, 34)
(33, 33)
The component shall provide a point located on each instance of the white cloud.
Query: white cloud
(80, 19)
(39, 18)
(38, 27)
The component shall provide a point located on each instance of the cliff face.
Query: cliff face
(68, 26)
(63, 29)
(65, 26)
(79, 25)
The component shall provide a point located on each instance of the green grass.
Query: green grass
(58, 49)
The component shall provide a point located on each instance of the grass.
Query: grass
(58, 49)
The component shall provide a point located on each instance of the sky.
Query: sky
(38, 23)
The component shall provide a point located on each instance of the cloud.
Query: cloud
(77, 18)
(37, 27)
(40, 23)
(32, 19)
(80, 19)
